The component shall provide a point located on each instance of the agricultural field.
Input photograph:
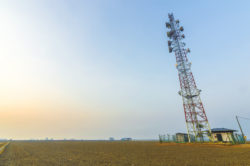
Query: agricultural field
(134, 153)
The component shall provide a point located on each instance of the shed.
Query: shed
(222, 134)
(181, 137)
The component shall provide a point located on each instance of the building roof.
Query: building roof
(215, 130)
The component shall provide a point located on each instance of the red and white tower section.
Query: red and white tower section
(196, 120)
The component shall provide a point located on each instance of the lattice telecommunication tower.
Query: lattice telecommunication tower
(196, 119)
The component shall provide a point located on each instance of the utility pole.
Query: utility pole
(240, 128)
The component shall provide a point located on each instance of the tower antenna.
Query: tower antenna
(195, 116)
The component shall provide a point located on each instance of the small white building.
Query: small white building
(222, 134)
(111, 138)
(126, 139)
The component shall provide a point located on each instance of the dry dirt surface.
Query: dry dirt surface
(134, 153)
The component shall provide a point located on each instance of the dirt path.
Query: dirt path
(3, 146)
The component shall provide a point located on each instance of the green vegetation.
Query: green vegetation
(131, 153)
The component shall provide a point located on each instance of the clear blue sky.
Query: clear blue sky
(94, 69)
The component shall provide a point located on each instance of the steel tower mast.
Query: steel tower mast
(196, 119)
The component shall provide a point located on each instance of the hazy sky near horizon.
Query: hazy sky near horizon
(92, 69)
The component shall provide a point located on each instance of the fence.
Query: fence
(238, 139)
(183, 138)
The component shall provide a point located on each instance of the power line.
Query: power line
(243, 118)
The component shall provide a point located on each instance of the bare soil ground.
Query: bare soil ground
(135, 153)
